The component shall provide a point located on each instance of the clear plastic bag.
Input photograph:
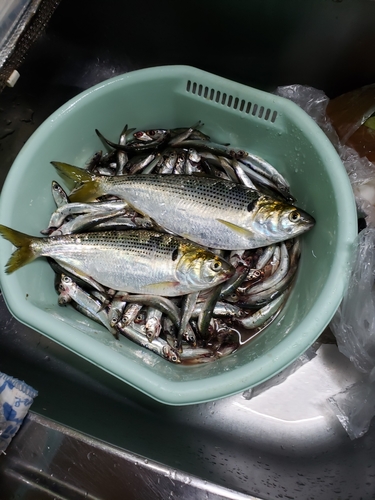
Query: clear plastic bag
(355, 407)
(360, 170)
(354, 322)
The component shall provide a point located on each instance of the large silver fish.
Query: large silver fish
(136, 261)
(212, 212)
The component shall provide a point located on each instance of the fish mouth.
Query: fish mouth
(307, 219)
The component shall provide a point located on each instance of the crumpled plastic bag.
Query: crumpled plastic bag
(353, 325)
(360, 169)
(354, 322)
(16, 398)
(355, 407)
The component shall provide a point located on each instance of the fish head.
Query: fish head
(278, 220)
(201, 268)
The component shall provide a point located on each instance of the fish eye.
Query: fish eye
(294, 216)
(215, 266)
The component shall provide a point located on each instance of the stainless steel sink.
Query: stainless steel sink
(91, 436)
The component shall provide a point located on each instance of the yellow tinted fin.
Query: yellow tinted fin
(241, 231)
(72, 173)
(24, 253)
(89, 184)
(160, 288)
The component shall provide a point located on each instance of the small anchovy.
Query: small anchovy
(130, 313)
(158, 345)
(187, 307)
(265, 169)
(150, 135)
(196, 355)
(71, 209)
(153, 323)
(276, 277)
(180, 163)
(253, 276)
(120, 223)
(262, 315)
(93, 306)
(265, 257)
(234, 282)
(85, 222)
(132, 146)
(194, 156)
(261, 299)
(152, 165)
(121, 156)
(207, 310)
(168, 163)
(59, 195)
(195, 134)
(116, 309)
(275, 260)
(220, 309)
(221, 162)
(241, 174)
(209, 146)
(169, 329)
(265, 182)
(140, 164)
(166, 306)
(176, 140)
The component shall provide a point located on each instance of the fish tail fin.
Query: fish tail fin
(24, 253)
(89, 184)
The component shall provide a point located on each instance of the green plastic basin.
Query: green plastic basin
(176, 96)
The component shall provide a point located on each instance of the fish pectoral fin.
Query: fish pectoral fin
(160, 287)
(241, 231)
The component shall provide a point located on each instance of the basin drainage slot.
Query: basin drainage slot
(223, 99)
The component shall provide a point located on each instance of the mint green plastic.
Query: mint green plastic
(176, 96)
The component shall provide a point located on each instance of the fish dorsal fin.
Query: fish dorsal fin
(72, 173)
(241, 231)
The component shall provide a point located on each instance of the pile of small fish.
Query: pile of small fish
(190, 265)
